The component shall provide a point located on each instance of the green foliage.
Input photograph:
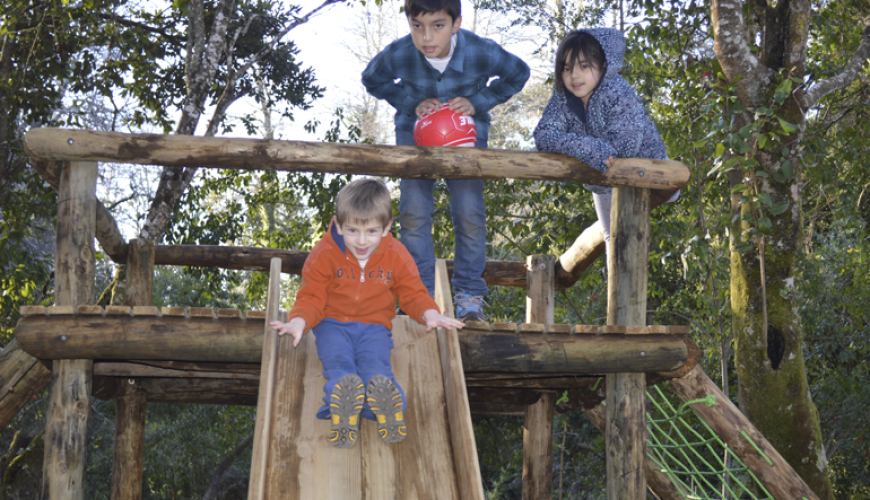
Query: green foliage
(835, 290)
(578, 456)
(26, 253)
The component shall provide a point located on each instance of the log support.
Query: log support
(131, 400)
(68, 408)
(741, 436)
(129, 450)
(626, 305)
(538, 426)
(21, 377)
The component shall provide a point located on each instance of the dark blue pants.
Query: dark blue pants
(416, 209)
(353, 347)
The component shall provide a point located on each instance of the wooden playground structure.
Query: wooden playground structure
(137, 354)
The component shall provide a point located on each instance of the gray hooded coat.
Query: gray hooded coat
(616, 121)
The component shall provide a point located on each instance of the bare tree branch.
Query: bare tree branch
(733, 52)
(217, 474)
(824, 87)
(202, 63)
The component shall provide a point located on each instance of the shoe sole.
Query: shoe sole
(386, 403)
(346, 403)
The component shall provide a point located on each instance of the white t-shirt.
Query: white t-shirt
(441, 64)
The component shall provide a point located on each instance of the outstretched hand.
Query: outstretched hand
(295, 327)
(434, 319)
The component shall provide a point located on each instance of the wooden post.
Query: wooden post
(140, 272)
(657, 480)
(67, 416)
(538, 426)
(263, 426)
(626, 305)
(129, 442)
(130, 416)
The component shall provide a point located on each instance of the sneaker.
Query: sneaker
(385, 400)
(469, 307)
(346, 403)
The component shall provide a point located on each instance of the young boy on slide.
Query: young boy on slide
(350, 283)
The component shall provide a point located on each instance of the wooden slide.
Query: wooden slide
(293, 459)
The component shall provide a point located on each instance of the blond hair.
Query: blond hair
(362, 200)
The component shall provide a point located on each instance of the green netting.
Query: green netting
(697, 462)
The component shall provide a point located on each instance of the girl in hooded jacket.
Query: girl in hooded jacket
(594, 114)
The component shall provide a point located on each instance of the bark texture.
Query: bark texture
(773, 387)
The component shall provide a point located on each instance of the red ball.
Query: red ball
(445, 128)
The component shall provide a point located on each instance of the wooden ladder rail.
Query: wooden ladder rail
(262, 429)
(465, 460)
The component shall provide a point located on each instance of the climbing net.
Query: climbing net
(697, 462)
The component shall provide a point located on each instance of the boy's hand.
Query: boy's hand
(609, 162)
(295, 327)
(428, 106)
(462, 106)
(435, 319)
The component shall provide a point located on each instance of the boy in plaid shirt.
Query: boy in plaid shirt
(440, 64)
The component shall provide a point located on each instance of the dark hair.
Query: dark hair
(581, 46)
(414, 8)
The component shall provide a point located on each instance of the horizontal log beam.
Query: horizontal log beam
(239, 340)
(178, 369)
(563, 354)
(394, 161)
(237, 383)
(245, 391)
(183, 390)
(569, 266)
(497, 272)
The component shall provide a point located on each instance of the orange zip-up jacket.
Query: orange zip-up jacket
(334, 287)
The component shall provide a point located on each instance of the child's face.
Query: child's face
(362, 239)
(431, 33)
(580, 77)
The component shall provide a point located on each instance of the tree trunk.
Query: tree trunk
(772, 380)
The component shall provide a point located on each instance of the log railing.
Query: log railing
(394, 161)
(47, 148)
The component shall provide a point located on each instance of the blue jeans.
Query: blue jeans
(416, 209)
(353, 347)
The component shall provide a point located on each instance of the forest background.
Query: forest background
(766, 256)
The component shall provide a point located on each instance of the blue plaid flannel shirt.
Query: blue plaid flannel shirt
(401, 75)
